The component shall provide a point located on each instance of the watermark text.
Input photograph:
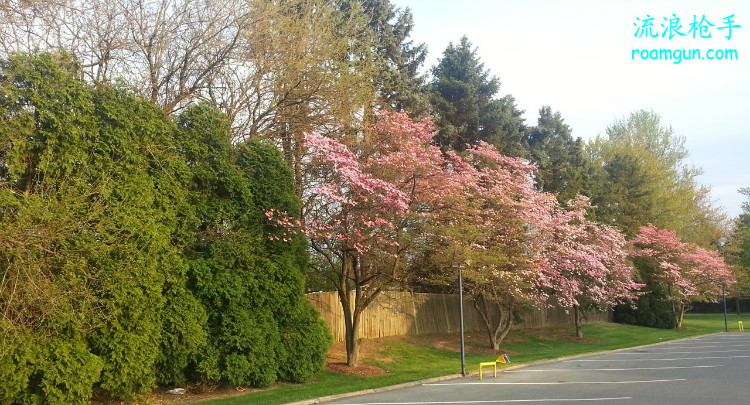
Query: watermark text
(676, 56)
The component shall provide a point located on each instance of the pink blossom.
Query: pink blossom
(584, 262)
(688, 271)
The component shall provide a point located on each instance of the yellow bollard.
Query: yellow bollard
(488, 363)
(742, 328)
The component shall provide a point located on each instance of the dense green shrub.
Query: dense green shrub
(68, 371)
(243, 336)
(19, 353)
(650, 311)
(45, 370)
(249, 284)
(306, 339)
(184, 332)
(150, 261)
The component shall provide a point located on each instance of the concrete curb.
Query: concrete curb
(476, 373)
(375, 390)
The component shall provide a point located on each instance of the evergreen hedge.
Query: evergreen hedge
(134, 249)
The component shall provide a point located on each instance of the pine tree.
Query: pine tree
(465, 108)
(399, 84)
(562, 164)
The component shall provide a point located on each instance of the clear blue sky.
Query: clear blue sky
(577, 57)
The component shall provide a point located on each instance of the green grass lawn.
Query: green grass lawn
(412, 360)
(715, 322)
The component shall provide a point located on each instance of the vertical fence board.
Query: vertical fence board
(403, 313)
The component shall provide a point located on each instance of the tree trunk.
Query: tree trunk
(353, 309)
(351, 326)
(496, 329)
(681, 314)
(578, 321)
(351, 312)
(737, 302)
(352, 341)
(504, 324)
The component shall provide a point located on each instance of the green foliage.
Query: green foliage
(625, 197)
(149, 261)
(562, 164)
(141, 197)
(397, 78)
(183, 333)
(49, 296)
(46, 117)
(640, 176)
(249, 284)
(736, 250)
(306, 339)
(241, 326)
(18, 355)
(68, 371)
(225, 271)
(42, 370)
(650, 311)
(465, 108)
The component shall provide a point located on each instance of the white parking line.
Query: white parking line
(728, 339)
(710, 347)
(562, 382)
(607, 369)
(691, 352)
(682, 358)
(495, 401)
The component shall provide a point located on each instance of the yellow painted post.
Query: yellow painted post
(487, 363)
(742, 328)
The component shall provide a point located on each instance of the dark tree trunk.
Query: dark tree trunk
(497, 328)
(352, 340)
(737, 302)
(353, 304)
(681, 314)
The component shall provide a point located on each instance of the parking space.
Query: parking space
(707, 370)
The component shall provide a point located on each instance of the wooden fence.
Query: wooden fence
(403, 313)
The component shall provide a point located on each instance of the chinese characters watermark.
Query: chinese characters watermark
(672, 27)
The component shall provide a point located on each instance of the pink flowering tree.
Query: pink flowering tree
(367, 203)
(679, 272)
(487, 226)
(706, 272)
(584, 265)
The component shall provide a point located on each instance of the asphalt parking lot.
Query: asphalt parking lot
(707, 370)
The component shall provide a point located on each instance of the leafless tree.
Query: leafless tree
(273, 67)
